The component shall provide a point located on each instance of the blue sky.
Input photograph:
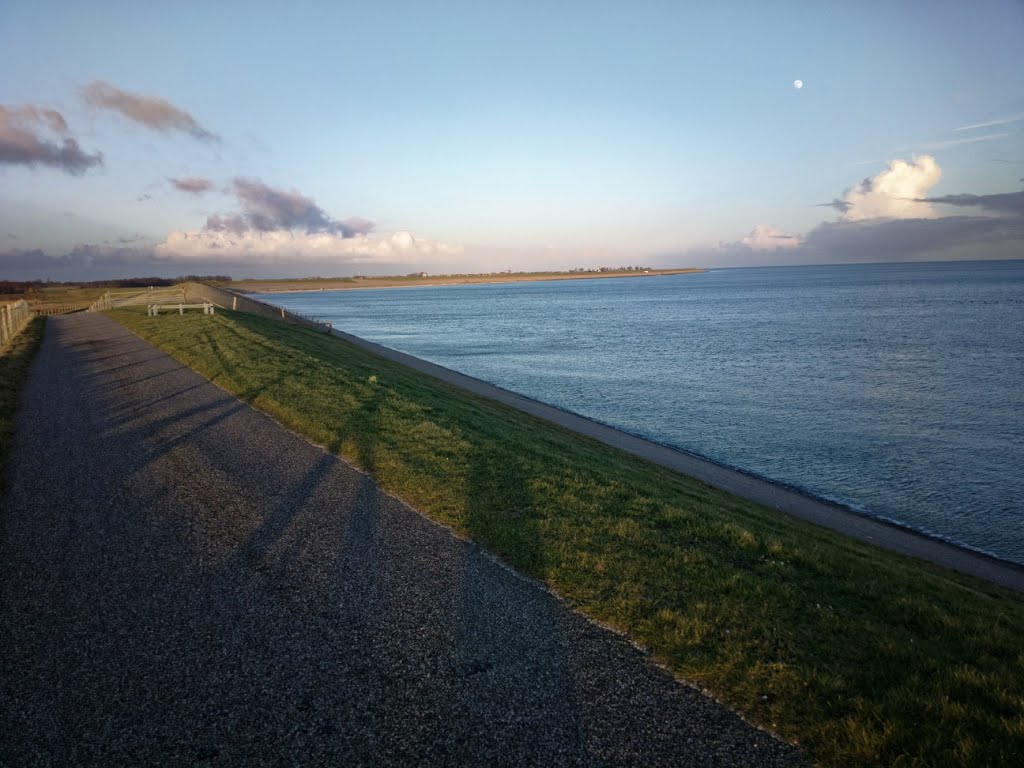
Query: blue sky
(480, 136)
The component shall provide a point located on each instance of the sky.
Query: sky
(285, 140)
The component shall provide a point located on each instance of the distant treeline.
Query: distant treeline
(38, 286)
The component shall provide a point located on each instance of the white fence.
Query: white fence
(154, 309)
(173, 295)
(57, 309)
(13, 318)
(228, 299)
(162, 300)
(103, 302)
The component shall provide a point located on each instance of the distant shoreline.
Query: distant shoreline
(411, 281)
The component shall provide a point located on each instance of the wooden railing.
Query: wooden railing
(171, 295)
(103, 302)
(57, 309)
(154, 309)
(134, 298)
(169, 299)
(13, 317)
(241, 303)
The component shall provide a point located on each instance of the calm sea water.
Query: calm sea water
(895, 389)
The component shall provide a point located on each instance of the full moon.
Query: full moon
(798, 84)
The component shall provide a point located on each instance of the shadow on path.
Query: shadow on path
(184, 582)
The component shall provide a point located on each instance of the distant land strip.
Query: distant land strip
(422, 278)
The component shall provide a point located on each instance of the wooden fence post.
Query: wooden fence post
(13, 318)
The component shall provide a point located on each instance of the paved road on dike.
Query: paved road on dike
(185, 582)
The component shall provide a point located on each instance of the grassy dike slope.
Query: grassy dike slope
(860, 656)
(15, 360)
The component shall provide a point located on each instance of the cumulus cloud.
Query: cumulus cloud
(89, 254)
(878, 240)
(765, 238)
(1006, 202)
(19, 259)
(31, 135)
(75, 264)
(267, 209)
(255, 254)
(358, 225)
(895, 193)
(155, 113)
(90, 261)
(283, 246)
(889, 217)
(193, 185)
(286, 227)
(220, 223)
(900, 239)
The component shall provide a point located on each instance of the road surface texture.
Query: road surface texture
(185, 582)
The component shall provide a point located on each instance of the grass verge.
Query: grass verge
(860, 656)
(64, 295)
(15, 360)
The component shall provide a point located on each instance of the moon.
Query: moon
(798, 84)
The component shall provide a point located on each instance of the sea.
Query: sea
(896, 390)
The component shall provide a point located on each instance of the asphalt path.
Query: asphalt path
(185, 582)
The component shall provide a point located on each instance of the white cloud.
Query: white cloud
(998, 121)
(888, 218)
(765, 238)
(931, 146)
(285, 247)
(893, 193)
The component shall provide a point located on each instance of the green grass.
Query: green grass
(64, 295)
(860, 656)
(15, 359)
(69, 294)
